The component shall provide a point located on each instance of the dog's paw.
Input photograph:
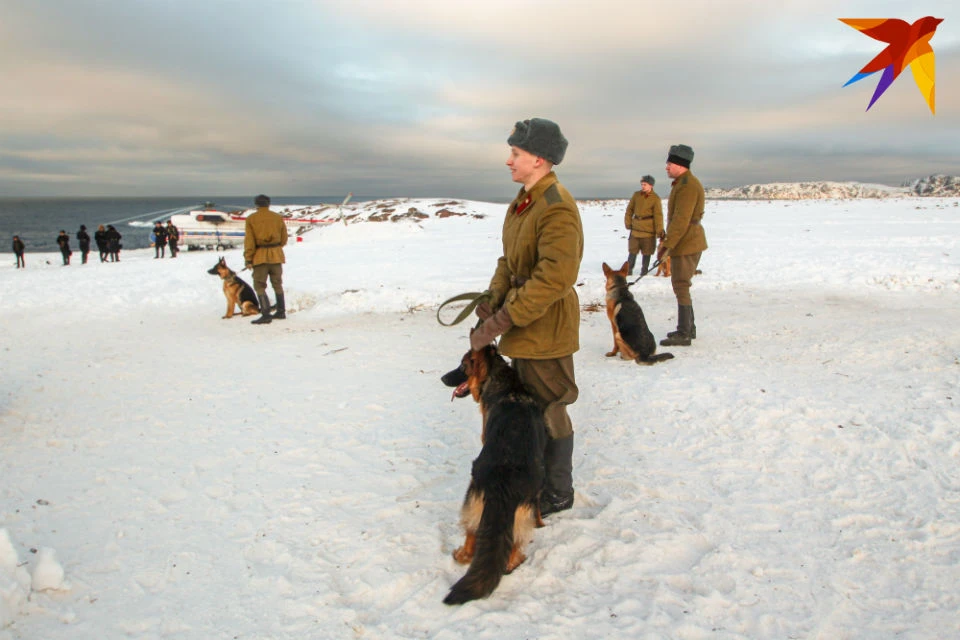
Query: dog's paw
(610, 354)
(516, 559)
(462, 556)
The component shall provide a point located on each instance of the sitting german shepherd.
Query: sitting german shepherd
(237, 292)
(632, 338)
(502, 505)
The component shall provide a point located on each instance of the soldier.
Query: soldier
(534, 305)
(685, 240)
(644, 220)
(263, 242)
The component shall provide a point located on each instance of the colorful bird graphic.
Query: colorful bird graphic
(906, 44)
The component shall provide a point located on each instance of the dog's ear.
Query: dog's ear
(606, 269)
(625, 269)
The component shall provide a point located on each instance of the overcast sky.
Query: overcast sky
(417, 98)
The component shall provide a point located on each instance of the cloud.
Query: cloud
(417, 97)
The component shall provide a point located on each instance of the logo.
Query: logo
(907, 44)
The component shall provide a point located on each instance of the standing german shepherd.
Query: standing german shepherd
(237, 292)
(632, 338)
(501, 507)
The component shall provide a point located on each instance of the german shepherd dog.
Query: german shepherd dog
(632, 338)
(501, 507)
(237, 292)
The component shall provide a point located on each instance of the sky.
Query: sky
(417, 98)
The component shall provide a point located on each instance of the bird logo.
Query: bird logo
(907, 44)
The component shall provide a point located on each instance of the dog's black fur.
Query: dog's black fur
(501, 506)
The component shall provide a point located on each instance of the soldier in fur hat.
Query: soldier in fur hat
(644, 221)
(685, 240)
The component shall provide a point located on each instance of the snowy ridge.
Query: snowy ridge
(931, 186)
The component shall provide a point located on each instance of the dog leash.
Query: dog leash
(643, 275)
(474, 299)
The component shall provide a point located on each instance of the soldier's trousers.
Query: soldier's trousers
(682, 269)
(260, 274)
(552, 383)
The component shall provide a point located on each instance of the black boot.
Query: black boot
(281, 312)
(632, 260)
(693, 325)
(264, 310)
(558, 487)
(644, 265)
(684, 333)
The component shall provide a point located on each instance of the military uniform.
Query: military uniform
(644, 219)
(686, 241)
(263, 241)
(534, 281)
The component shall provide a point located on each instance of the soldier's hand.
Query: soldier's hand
(663, 252)
(495, 325)
(484, 310)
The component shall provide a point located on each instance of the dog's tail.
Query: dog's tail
(654, 359)
(494, 544)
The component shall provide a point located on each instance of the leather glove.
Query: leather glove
(249, 266)
(663, 252)
(483, 310)
(494, 326)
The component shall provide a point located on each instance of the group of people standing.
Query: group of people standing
(534, 308)
(164, 236)
(107, 240)
(108, 244)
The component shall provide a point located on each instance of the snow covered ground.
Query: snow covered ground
(794, 474)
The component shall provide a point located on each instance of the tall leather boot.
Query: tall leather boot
(682, 336)
(645, 265)
(632, 260)
(557, 492)
(693, 325)
(264, 310)
(281, 312)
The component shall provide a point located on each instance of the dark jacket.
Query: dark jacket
(18, 247)
(64, 241)
(113, 240)
(100, 237)
(84, 239)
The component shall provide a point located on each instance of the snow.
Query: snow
(793, 474)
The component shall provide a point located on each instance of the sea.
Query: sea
(38, 221)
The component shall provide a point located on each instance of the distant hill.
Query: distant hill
(933, 186)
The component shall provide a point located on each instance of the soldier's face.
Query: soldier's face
(675, 170)
(522, 164)
(645, 187)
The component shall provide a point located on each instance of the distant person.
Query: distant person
(100, 237)
(173, 237)
(159, 240)
(63, 241)
(534, 303)
(644, 220)
(18, 249)
(83, 239)
(113, 243)
(264, 237)
(685, 240)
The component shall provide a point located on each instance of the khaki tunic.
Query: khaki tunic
(644, 216)
(685, 234)
(264, 238)
(535, 276)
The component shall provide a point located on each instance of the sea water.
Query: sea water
(38, 221)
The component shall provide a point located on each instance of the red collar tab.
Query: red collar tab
(523, 205)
